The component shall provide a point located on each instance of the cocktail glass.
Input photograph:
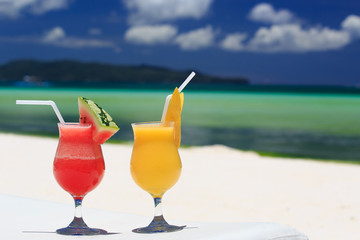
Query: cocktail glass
(78, 168)
(155, 167)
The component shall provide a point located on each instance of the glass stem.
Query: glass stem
(158, 207)
(158, 215)
(78, 221)
(78, 207)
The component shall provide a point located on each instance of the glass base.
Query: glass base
(158, 225)
(79, 227)
(81, 231)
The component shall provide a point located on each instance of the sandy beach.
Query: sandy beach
(218, 184)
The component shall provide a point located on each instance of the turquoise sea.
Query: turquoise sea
(311, 125)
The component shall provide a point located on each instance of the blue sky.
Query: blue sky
(313, 42)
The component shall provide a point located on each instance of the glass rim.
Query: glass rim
(77, 124)
(166, 123)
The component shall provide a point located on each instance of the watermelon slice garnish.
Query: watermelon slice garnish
(102, 124)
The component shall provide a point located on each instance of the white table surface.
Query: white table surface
(25, 218)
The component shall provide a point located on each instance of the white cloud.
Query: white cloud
(351, 24)
(95, 31)
(54, 34)
(286, 34)
(234, 42)
(196, 39)
(293, 38)
(58, 37)
(73, 42)
(266, 13)
(156, 11)
(151, 34)
(13, 8)
(43, 6)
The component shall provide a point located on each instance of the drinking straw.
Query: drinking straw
(187, 80)
(41, 102)
(167, 101)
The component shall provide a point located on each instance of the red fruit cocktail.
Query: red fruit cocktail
(79, 163)
(78, 168)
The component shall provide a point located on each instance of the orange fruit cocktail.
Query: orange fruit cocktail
(155, 161)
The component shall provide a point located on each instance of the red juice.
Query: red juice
(79, 164)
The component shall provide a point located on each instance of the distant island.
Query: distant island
(71, 73)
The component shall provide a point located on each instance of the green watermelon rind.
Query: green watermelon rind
(100, 118)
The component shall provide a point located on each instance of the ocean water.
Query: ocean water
(307, 124)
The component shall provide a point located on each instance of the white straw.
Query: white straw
(187, 80)
(166, 105)
(40, 102)
(167, 101)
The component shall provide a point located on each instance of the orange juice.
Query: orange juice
(155, 161)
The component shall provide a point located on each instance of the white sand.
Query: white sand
(320, 199)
